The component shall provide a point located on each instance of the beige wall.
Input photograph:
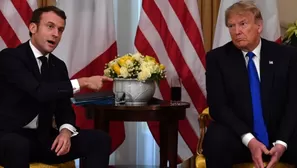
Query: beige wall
(287, 12)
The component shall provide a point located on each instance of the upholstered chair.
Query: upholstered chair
(204, 119)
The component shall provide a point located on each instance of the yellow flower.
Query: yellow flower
(162, 67)
(116, 68)
(135, 66)
(149, 59)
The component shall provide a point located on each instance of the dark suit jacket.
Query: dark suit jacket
(23, 94)
(228, 92)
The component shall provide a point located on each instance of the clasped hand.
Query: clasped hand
(257, 149)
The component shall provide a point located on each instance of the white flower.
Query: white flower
(144, 74)
(124, 72)
(111, 63)
(137, 56)
(129, 63)
(107, 72)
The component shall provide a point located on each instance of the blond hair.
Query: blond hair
(243, 7)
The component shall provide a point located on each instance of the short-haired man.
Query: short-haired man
(252, 93)
(35, 87)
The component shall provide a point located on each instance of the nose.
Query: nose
(55, 32)
(237, 30)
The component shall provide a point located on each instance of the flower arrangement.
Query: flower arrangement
(290, 37)
(135, 66)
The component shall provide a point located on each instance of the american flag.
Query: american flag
(170, 30)
(15, 17)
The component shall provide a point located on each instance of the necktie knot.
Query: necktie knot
(250, 55)
(44, 69)
(43, 59)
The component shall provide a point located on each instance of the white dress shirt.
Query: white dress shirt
(76, 88)
(249, 136)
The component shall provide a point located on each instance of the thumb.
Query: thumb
(272, 151)
(265, 150)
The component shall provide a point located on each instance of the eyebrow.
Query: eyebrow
(55, 24)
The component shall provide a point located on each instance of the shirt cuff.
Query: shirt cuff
(75, 86)
(246, 138)
(281, 143)
(70, 128)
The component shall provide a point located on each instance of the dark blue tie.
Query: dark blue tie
(260, 131)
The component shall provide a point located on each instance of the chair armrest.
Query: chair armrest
(203, 119)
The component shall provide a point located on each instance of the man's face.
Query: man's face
(47, 34)
(244, 30)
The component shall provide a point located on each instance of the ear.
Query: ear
(33, 28)
(260, 26)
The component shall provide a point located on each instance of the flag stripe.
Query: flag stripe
(192, 7)
(174, 53)
(32, 4)
(6, 32)
(184, 44)
(23, 9)
(15, 20)
(145, 46)
(2, 44)
(168, 31)
(154, 49)
(190, 27)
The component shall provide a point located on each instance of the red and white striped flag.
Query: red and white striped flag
(15, 17)
(88, 43)
(271, 27)
(170, 30)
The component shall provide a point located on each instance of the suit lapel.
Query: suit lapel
(267, 75)
(240, 73)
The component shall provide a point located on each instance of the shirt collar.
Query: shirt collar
(256, 51)
(36, 52)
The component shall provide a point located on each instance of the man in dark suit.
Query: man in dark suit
(252, 95)
(35, 87)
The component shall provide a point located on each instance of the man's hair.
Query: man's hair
(36, 16)
(242, 7)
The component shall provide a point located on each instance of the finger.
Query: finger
(63, 150)
(105, 78)
(272, 151)
(260, 161)
(265, 150)
(256, 164)
(59, 146)
(54, 144)
(272, 162)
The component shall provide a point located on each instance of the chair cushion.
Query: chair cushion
(200, 163)
(70, 164)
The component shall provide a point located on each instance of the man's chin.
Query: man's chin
(50, 49)
(241, 46)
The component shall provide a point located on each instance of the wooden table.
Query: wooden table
(167, 113)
